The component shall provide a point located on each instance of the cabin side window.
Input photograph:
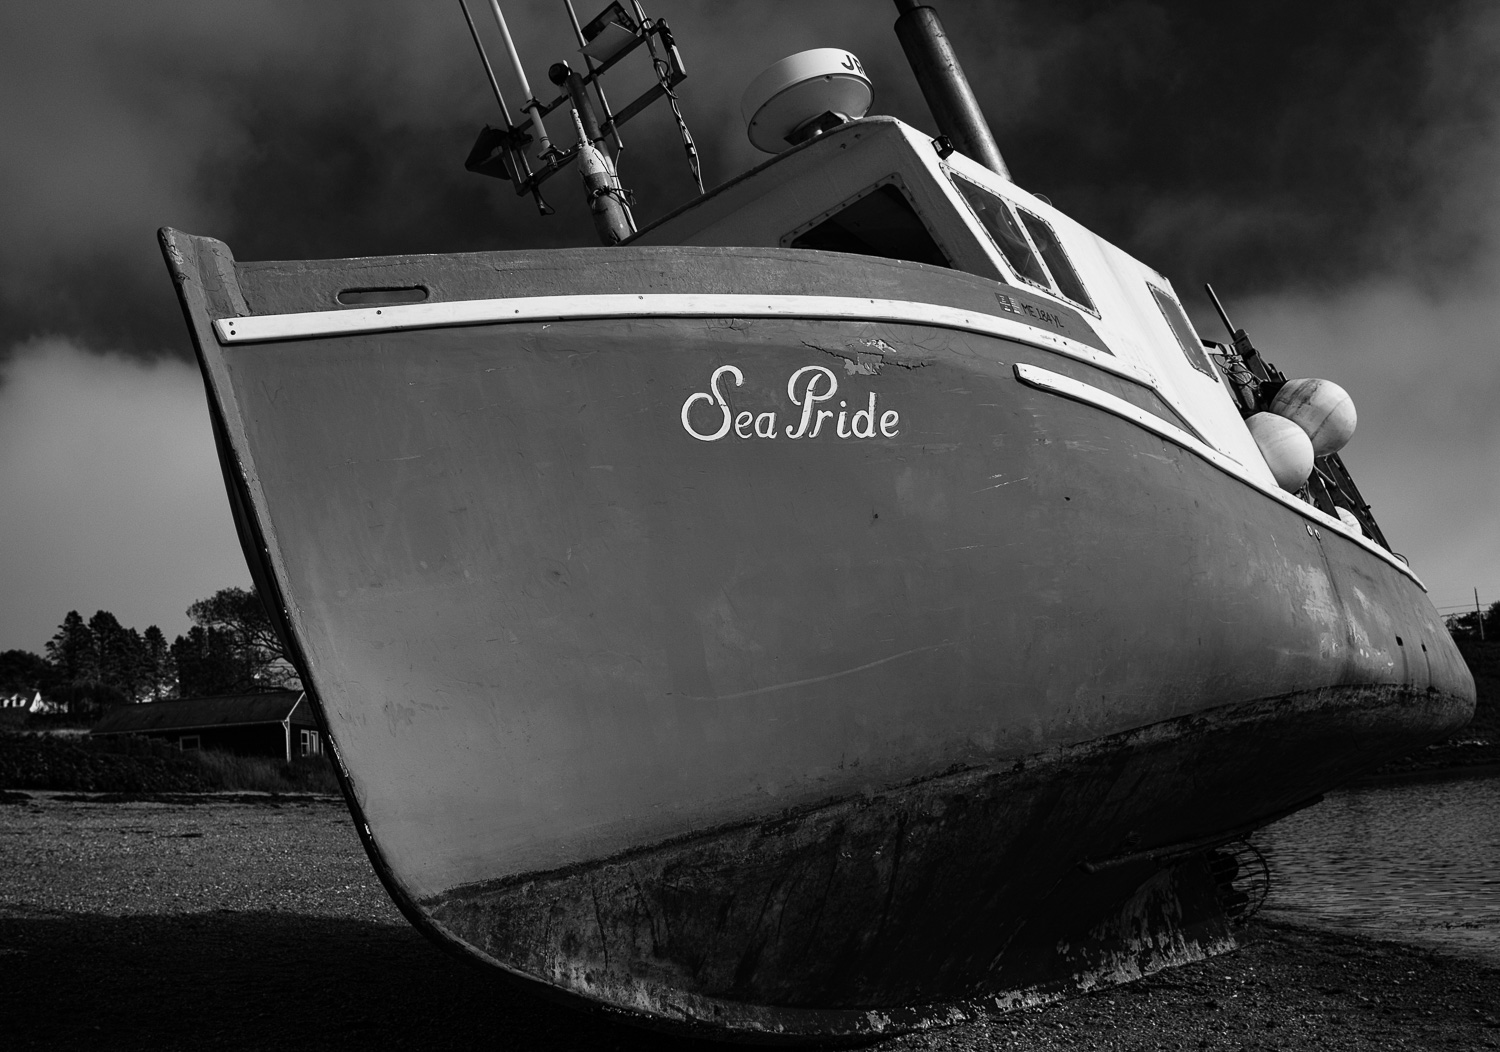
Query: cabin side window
(1187, 337)
(995, 216)
(1030, 245)
(880, 221)
(1045, 239)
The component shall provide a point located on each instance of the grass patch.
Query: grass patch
(127, 764)
(261, 774)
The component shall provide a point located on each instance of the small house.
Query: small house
(279, 724)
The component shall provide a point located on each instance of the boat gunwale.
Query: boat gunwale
(266, 328)
(309, 325)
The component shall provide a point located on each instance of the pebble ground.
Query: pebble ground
(242, 923)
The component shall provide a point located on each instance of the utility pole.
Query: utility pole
(1479, 615)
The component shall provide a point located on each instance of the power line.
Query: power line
(1468, 604)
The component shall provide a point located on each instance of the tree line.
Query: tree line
(1474, 625)
(91, 665)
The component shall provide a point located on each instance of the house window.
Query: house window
(188, 741)
(879, 222)
(310, 744)
(1187, 337)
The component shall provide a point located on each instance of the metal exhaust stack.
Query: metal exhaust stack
(944, 85)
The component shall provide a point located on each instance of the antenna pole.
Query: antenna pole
(488, 69)
(1224, 317)
(944, 86)
(531, 103)
(518, 159)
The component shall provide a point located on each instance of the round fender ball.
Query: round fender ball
(1321, 408)
(1286, 447)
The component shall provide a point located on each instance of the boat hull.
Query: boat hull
(656, 689)
(927, 904)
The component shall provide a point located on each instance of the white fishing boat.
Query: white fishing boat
(855, 600)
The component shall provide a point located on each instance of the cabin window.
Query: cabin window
(996, 218)
(310, 744)
(880, 222)
(1187, 337)
(188, 741)
(1045, 239)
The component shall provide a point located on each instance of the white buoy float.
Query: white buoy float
(1321, 408)
(1347, 518)
(1286, 447)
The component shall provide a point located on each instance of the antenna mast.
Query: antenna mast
(944, 86)
(548, 150)
(542, 206)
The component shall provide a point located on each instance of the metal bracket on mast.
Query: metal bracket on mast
(615, 34)
(505, 147)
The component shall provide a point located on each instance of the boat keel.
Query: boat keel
(994, 888)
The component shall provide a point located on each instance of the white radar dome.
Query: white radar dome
(797, 91)
(1321, 408)
(1286, 447)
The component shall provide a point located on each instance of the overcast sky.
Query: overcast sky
(1330, 167)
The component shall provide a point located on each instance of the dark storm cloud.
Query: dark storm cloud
(1328, 166)
(1258, 144)
(1264, 144)
(158, 112)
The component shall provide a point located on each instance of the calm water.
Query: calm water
(1415, 863)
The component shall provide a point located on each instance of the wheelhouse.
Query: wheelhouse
(878, 187)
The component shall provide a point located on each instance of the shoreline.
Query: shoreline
(1486, 767)
(245, 922)
(1415, 775)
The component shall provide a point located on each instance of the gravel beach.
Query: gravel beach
(250, 923)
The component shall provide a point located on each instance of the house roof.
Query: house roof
(236, 710)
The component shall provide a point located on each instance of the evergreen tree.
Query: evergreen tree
(133, 667)
(72, 653)
(159, 673)
(112, 650)
(207, 664)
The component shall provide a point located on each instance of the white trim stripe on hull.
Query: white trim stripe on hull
(266, 327)
(312, 324)
(1066, 386)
